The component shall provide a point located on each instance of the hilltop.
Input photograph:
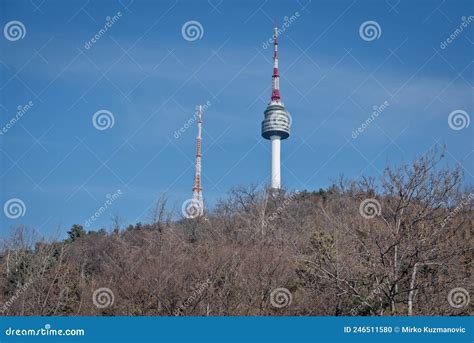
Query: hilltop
(390, 246)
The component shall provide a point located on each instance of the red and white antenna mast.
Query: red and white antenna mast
(276, 75)
(197, 188)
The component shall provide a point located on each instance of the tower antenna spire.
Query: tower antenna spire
(276, 74)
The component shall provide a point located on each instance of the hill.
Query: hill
(397, 245)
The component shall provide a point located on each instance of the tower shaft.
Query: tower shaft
(276, 144)
(197, 188)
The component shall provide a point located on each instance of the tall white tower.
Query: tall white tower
(276, 124)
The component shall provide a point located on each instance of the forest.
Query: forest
(398, 244)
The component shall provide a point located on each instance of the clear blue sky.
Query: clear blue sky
(150, 78)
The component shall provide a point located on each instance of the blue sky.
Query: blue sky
(149, 77)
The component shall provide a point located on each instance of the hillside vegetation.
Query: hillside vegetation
(391, 246)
